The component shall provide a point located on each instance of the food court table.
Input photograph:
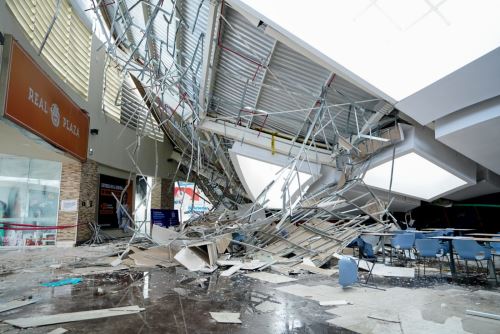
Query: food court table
(494, 235)
(383, 235)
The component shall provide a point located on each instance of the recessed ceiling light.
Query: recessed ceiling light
(414, 176)
(423, 167)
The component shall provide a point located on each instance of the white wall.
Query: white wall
(108, 149)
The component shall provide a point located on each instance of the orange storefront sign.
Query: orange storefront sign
(35, 102)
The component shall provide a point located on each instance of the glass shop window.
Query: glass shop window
(29, 197)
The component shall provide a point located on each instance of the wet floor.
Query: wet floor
(179, 301)
(175, 301)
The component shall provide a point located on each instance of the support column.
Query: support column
(87, 211)
(156, 195)
(167, 195)
(70, 190)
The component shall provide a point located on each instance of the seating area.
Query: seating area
(458, 256)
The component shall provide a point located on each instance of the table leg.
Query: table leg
(383, 249)
(452, 260)
(491, 269)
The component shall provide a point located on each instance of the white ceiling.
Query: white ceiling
(474, 132)
(397, 46)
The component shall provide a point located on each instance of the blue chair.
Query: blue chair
(444, 244)
(403, 242)
(470, 250)
(495, 246)
(430, 248)
(348, 271)
(365, 248)
(354, 244)
(366, 252)
(449, 232)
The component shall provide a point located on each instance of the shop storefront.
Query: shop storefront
(29, 197)
(39, 198)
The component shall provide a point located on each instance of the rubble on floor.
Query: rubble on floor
(253, 270)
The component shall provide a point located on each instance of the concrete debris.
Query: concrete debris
(253, 265)
(193, 260)
(226, 317)
(271, 278)
(316, 270)
(59, 330)
(232, 270)
(13, 304)
(163, 236)
(92, 270)
(308, 262)
(206, 250)
(387, 271)
(152, 257)
(223, 243)
(116, 262)
(225, 263)
(73, 316)
(333, 302)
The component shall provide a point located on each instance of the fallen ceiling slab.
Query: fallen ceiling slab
(73, 316)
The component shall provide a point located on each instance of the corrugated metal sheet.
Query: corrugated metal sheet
(195, 15)
(237, 78)
(164, 33)
(341, 92)
(292, 82)
(137, 17)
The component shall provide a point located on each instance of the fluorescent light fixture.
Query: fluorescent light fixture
(413, 175)
(423, 167)
(397, 46)
(257, 175)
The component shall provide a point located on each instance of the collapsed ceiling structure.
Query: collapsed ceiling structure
(227, 90)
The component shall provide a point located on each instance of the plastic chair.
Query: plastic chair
(448, 232)
(354, 244)
(430, 248)
(367, 254)
(348, 271)
(470, 250)
(495, 246)
(365, 248)
(403, 242)
(445, 247)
